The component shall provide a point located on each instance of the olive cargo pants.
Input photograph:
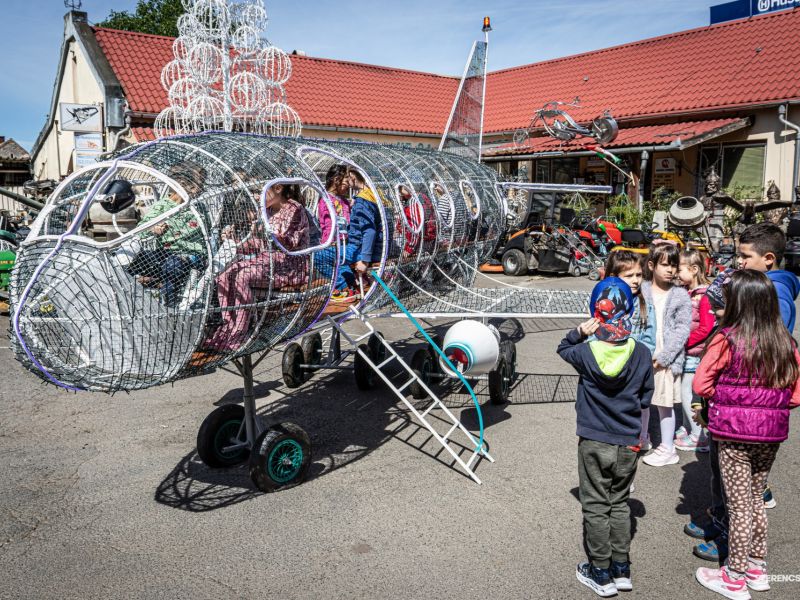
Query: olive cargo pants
(605, 474)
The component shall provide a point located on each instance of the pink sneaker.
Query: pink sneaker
(681, 433)
(720, 581)
(690, 444)
(756, 575)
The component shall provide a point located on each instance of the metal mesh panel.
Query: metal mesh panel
(192, 274)
(463, 135)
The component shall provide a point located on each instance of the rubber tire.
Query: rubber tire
(594, 275)
(312, 352)
(439, 341)
(514, 262)
(377, 351)
(228, 416)
(498, 386)
(422, 365)
(365, 376)
(293, 375)
(509, 348)
(286, 437)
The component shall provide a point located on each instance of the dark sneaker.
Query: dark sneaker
(621, 574)
(598, 580)
(701, 532)
(769, 499)
(714, 551)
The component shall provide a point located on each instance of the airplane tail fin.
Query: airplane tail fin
(463, 135)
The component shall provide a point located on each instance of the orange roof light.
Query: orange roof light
(487, 24)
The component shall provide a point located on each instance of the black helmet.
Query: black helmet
(117, 196)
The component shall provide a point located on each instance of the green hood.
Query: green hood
(612, 358)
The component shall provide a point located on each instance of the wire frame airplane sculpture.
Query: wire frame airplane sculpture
(229, 261)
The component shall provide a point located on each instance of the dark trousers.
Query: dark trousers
(605, 474)
(170, 268)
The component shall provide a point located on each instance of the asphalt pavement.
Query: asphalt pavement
(104, 496)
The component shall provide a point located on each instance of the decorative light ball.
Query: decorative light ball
(183, 91)
(276, 66)
(188, 5)
(188, 26)
(182, 46)
(252, 14)
(246, 91)
(274, 94)
(173, 71)
(280, 120)
(213, 17)
(246, 39)
(246, 63)
(205, 63)
(169, 121)
(205, 113)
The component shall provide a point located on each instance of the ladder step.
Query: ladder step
(405, 385)
(452, 429)
(430, 408)
(386, 362)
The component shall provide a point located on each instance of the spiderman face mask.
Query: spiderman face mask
(612, 304)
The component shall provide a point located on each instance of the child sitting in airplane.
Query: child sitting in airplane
(337, 185)
(364, 236)
(180, 242)
(289, 226)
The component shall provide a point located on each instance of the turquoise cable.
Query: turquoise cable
(419, 327)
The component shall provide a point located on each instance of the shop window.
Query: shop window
(738, 165)
(557, 170)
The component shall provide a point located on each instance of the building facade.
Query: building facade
(720, 95)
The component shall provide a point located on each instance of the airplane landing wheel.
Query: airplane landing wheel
(280, 458)
(293, 374)
(312, 352)
(509, 348)
(220, 431)
(422, 364)
(499, 384)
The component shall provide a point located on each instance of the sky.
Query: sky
(425, 35)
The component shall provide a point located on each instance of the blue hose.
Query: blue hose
(439, 351)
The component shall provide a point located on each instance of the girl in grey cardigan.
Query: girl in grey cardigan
(673, 309)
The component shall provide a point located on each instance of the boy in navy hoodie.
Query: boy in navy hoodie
(761, 248)
(615, 385)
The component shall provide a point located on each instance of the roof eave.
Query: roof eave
(76, 28)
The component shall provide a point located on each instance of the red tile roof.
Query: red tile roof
(682, 135)
(324, 92)
(739, 63)
(736, 64)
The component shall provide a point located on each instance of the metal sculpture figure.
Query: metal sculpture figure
(225, 75)
(557, 123)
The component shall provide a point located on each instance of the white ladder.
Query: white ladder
(456, 425)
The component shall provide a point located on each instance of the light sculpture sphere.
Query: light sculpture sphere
(276, 65)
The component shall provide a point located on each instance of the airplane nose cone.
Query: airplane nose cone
(76, 324)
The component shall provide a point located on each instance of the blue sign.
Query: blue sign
(742, 9)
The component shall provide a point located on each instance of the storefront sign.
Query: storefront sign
(664, 165)
(664, 180)
(80, 117)
(88, 147)
(743, 9)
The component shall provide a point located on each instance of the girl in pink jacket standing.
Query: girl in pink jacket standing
(749, 374)
(691, 273)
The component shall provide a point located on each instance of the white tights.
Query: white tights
(666, 417)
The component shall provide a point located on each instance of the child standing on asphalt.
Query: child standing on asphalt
(627, 266)
(616, 384)
(749, 372)
(673, 323)
(691, 273)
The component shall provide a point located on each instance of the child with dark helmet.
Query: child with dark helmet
(616, 384)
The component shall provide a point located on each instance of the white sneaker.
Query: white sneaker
(661, 457)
